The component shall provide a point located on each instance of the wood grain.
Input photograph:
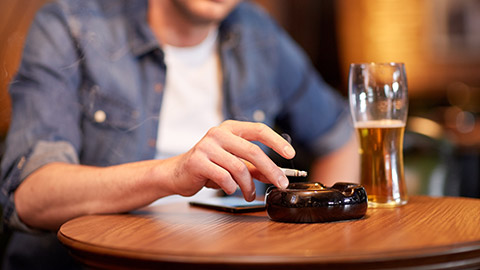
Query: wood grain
(435, 233)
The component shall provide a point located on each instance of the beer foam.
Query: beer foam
(384, 123)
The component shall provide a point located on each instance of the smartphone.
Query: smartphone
(230, 204)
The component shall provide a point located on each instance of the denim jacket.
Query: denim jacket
(89, 88)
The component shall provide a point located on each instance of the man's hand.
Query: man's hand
(226, 157)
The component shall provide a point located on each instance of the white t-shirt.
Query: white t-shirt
(192, 101)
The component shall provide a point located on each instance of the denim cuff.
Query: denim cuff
(43, 153)
(47, 152)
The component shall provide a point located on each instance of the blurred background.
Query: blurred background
(438, 40)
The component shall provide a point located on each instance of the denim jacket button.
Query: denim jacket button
(259, 115)
(158, 87)
(152, 143)
(135, 114)
(100, 116)
(21, 163)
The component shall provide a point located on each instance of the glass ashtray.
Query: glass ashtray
(313, 202)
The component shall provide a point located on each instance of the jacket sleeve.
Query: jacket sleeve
(314, 113)
(45, 107)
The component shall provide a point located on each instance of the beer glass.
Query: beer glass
(379, 105)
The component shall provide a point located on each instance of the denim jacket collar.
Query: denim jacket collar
(143, 40)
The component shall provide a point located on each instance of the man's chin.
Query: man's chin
(207, 11)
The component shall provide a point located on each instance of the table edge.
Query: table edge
(401, 255)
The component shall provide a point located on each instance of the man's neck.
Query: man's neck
(172, 28)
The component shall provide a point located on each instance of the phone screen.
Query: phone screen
(230, 204)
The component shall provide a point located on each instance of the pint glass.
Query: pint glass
(379, 106)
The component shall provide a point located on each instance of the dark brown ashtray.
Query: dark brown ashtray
(314, 202)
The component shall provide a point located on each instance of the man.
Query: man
(111, 97)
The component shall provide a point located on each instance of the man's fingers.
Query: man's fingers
(218, 159)
(260, 132)
(237, 169)
(220, 176)
(248, 151)
(255, 173)
(211, 184)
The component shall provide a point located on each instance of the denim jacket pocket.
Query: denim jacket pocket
(256, 104)
(110, 126)
(108, 110)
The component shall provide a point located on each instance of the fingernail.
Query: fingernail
(283, 182)
(252, 196)
(289, 151)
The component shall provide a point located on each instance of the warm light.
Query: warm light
(408, 31)
(425, 127)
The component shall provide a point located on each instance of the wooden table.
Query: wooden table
(427, 233)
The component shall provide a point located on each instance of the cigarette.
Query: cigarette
(293, 172)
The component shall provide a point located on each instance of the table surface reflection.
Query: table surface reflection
(431, 233)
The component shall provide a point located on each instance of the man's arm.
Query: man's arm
(58, 192)
(224, 158)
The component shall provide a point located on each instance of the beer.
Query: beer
(381, 157)
(378, 98)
